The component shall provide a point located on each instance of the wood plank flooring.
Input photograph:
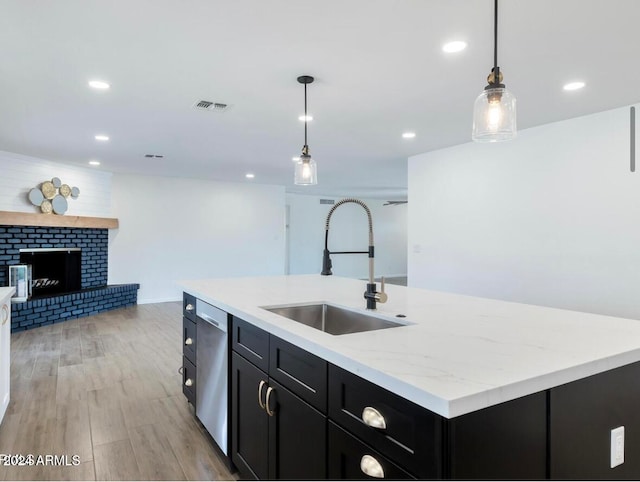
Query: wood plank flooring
(106, 389)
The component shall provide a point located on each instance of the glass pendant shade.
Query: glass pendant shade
(494, 116)
(306, 173)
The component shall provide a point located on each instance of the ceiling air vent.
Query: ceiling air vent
(212, 106)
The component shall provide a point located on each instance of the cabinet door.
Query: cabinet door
(297, 437)
(189, 380)
(189, 339)
(251, 342)
(5, 340)
(349, 458)
(189, 306)
(300, 371)
(249, 421)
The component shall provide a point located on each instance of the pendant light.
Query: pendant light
(494, 113)
(306, 173)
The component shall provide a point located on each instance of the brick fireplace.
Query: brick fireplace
(94, 296)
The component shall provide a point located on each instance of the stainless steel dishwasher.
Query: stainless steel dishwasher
(212, 371)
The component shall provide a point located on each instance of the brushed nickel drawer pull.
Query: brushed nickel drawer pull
(371, 467)
(189, 382)
(373, 418)
(5, 314)
(188, 341)
(189, 307)
(266, 403)
(260, 387)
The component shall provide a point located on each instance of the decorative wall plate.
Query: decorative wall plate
(36, 197)
(65, 190)
(52, 196)
(59, 204)
(49, 190)
(46, 207)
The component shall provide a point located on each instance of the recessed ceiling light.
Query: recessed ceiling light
(249, 175)
(409, 135)
(99, 84)
(295, 159)
(307, 118)
(456, 46)
(101, 137)
(574, 85)
(94, 163)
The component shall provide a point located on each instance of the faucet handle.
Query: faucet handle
(382, 297)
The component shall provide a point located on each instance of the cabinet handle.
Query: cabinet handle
(5, 314)
(188, 341)
(266, 403)
(189, 307)
(181, 370)
(373, 418)
(189, 382)
(260, 387)
(371, 467)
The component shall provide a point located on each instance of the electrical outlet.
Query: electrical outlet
(617, 447)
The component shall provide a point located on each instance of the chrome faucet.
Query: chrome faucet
(371, 295)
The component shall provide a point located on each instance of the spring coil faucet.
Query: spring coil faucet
(371, 295)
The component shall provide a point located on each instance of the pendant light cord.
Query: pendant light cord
(305, 115)
(495, 36)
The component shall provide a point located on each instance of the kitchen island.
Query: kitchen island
(561, 375)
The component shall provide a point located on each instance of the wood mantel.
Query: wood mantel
(11, 218)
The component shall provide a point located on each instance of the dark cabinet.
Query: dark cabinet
(300, 371)
(349, 458)
(189, 306)
(189, 332)
(401, 430)
(297, 437)
(505, 441)
(276, 434)
(189, 380)
(251, 342)
(582, 415)
(249, 420)
(189, 339)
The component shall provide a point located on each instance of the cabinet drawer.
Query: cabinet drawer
(346, 455)
(189, 380)
(251, 342)
(300, 371)
(189, 339)
(189, 306)
(411, 436)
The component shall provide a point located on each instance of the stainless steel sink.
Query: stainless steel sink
(333, 319)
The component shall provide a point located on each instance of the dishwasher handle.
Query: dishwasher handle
(218, 324)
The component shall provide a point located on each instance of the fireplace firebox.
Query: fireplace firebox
(53, 270)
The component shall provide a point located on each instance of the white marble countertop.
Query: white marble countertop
(6, 292)
(459, 355)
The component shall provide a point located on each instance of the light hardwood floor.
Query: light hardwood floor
(106, 388)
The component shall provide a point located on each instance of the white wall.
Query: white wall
(551, 218)
(348, 232)
(19, 174)
(174, 229)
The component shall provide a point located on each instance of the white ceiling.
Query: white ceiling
(378, 65)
